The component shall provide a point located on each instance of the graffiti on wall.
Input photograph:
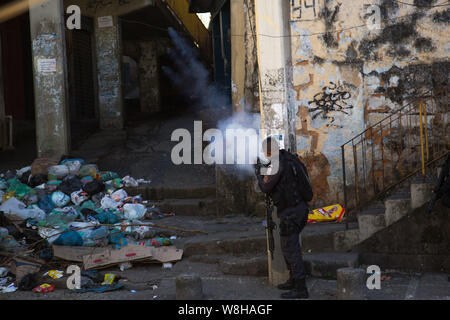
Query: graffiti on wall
(332, 98)
(304, 9)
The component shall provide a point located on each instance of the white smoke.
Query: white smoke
(193, 79)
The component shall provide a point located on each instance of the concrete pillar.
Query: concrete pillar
(272, 18)
(149, 77)
(350, 283)
(50, 78)
(189, 287)
(109, 71)
(238, 53)
(421, 193)
(2, 102)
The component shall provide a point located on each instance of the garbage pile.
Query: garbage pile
(59, 209)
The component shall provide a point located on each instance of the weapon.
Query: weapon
(270, 226)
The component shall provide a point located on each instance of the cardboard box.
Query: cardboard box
(21, 268)
(110, 256)
(75, 254)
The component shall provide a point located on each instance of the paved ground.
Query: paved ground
(219, 286)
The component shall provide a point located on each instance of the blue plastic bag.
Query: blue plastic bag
(46, 204)
(107, 217)
(69, 238)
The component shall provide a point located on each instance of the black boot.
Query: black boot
(299, 292)
(288, 285)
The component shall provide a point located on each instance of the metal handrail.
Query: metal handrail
(388, 150)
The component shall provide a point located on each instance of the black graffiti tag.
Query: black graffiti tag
(332, 98)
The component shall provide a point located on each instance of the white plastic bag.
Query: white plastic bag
(73, 166)
(119, 195)
(78, 197)
(134, 211)
(60, 199)
(15, 207)
(59, 171)
(108, 203)
(130, 182)
(51, 233)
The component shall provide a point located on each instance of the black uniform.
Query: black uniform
(292, 212)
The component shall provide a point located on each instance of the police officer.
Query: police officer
(293, 214)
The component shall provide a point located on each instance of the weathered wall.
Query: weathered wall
(149, 73)
(347, 76)
(50, 79)
(109, 54)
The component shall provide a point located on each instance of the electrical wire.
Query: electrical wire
(277, 36)
(425, 6)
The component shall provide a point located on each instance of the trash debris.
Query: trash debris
(9, 288)
(331, 213)
(71, 210)
(109, 278)
(54, 274)
(44, 288)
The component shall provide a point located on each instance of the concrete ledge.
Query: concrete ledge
(350, 282)
(408, 262)
(345, 240)
(235, 247)
(369, 224)
(420, 194)
(189, 287)
(325, 265)
(396, 208)
(241, 266)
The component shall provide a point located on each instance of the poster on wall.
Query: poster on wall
(46, 65)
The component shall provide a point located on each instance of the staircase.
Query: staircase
(389, 170)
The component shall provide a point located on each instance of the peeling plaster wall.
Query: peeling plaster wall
(50, 82)
(347, 80)
(109, 54)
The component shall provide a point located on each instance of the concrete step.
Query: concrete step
(248, 245)
(320, 237)
(245, 265)
(370, 221)
(397, 206)
(149, 192)
(325, 264)
(189, 207)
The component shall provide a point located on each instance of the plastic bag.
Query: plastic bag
(37, 180)
(59, 171)
(69, 238)
(74, 166)
(3, 184)
(19, 189)
(119, 195)
(331, 213)
(50, 234)
(78, 197)
(46, 204)
(88, 170)
(108, 175)
(70, 184)
(94, 187)
(60, 199)
(15, 207)
(134, 211)
(107, 217)
(86, 180)
(130, 182)
(118, 183)
(70, 160)
(2, 195)
(108, 203)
